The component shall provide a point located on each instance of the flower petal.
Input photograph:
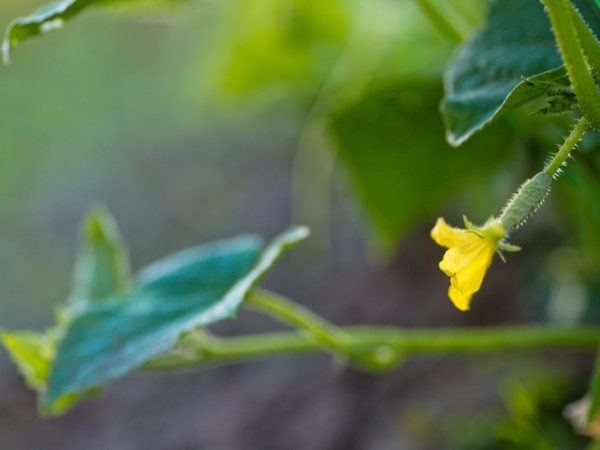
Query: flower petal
(460, 300)
(469, 277)
(456, 258)
(447, 236)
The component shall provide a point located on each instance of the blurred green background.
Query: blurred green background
(209, 119)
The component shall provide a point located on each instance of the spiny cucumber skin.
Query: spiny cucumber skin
(526, 201)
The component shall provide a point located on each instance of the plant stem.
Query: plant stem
(325, 334)
(446, 22)
(406, 342)
(567, 147)
(562, 19)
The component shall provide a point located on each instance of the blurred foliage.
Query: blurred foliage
(392, 142)
(578, 195)
(372, 72)
(532, 418)
(34, 353)
(312, 52)
(196, 287)
(268, 45)
(54, 16)
(109, 329)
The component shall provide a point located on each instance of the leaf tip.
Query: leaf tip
(297, 233)
(455, 140)
(5, 50)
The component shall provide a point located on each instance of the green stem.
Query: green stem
(562, 19)
(446, 22)
(406, 342)
(325, 334)
(567, 147)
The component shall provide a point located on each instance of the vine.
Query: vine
(115, 322)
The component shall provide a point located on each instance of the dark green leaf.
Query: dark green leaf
(102, 268)
(193, 288)
(485, 79)
(392, 143)
(589, 10)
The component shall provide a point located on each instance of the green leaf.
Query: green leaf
(486, 78)
(193, 288)
(102, 267)
(101, 270)
(589, 10)
(391, 142)
(33, 354)
(48, 18)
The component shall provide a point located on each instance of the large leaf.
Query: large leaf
(486, 78)
(194, 288)
(392, 144)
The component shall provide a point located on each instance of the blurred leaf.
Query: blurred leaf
(33, 354)
(392, 144)
(48, 18)
(102, 267)
(266, 44)
(594, 391)
(101, 270)
(193, 288)
(192, 271)
(531, 417)
(107, 339)
(485, 79)
(578, 191)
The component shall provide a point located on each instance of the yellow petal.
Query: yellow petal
(460, 300)
(456, 258)
(469, 277)
(446, 236)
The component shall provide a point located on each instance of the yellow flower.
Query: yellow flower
(470, 253)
